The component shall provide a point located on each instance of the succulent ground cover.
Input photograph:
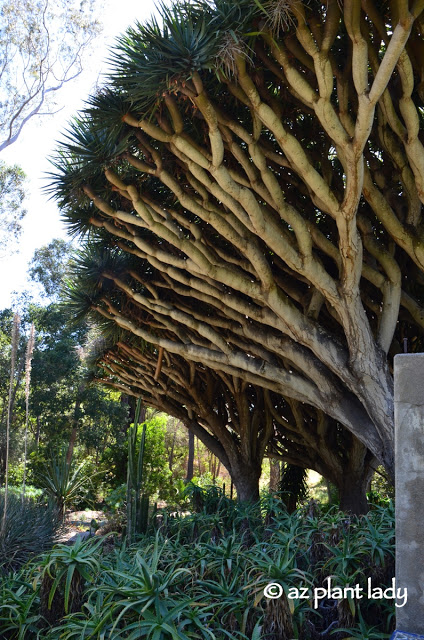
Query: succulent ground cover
(203, 576)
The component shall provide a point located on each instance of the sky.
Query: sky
(39, 139)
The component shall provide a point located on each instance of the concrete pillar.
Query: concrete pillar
(409, 461)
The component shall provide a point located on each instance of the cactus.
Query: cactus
(137, 502)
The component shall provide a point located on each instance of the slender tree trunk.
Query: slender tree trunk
(3, 411)
(15, 341)
(28, 360)
(274, 474)
(37, 435)
(330, 491)
(198, 458)
(171, 455)
(71, 444)
(74, 431)
(190, 461)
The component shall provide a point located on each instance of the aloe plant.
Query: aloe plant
(363, 631)
(19, 610)
(62, 575)
(186, 583)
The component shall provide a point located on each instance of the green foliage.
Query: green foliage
(208, 498)
(116, 499)
(48, 266)
(136, 497)
(30, 528)
(63, 572)
(382, 490)
(202, 576)
(156, 473)
(64, 482)
(12, 194)
(31, 492)
(20, 604)
(294, 485)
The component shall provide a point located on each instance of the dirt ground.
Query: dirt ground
(78, 522)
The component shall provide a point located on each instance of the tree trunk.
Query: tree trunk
(37, 434)
(354, 479)
(198, 457)
(274, 474)
(353, 497)
(246, 481)
(74, 431)
(71, 444)
(190, 461)
(171, 455)
(218, 468)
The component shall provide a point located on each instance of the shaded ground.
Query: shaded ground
(78, 523)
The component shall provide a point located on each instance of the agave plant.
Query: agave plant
(63, 481)
(29, 528)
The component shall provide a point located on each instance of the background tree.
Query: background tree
(12, 194)
(41, 45)
(14, 352)
(12, 407)
(41, 48)
(49, 265)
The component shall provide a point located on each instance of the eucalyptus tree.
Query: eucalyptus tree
(41, 46)
(12, 211)
(264, 163)
(49, 265)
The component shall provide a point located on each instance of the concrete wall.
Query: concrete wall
(409, 461)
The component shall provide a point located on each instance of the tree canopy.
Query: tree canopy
(12, 212)
(251, 179)
(48, 266)
(41, 45)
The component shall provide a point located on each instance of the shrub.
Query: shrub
(116, 499)
(31, 528)
(31, 492)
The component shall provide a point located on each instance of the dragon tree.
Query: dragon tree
(261, 166)
(239, 422)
